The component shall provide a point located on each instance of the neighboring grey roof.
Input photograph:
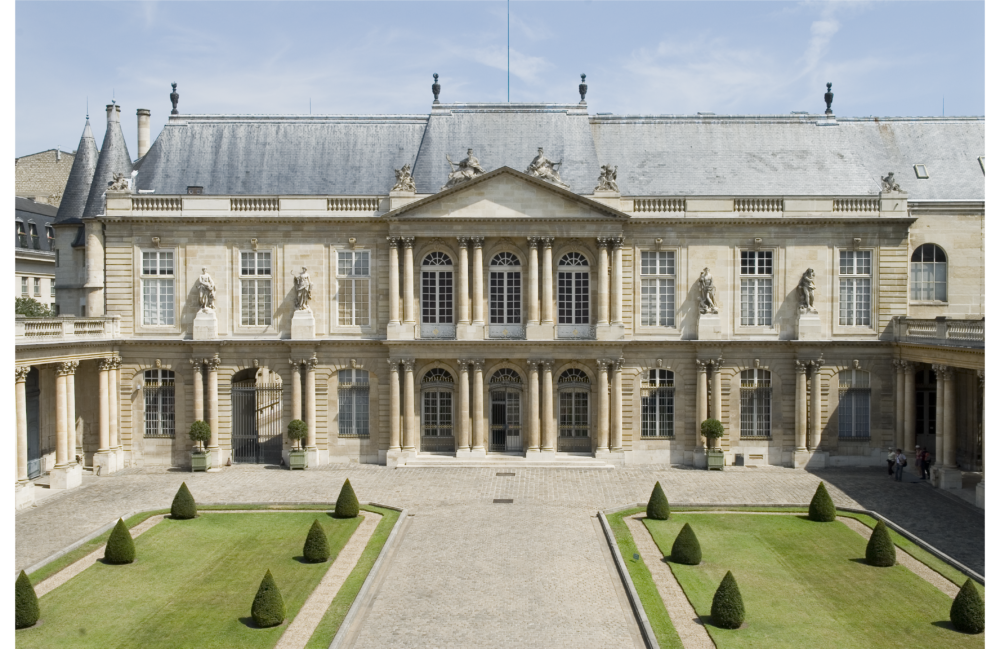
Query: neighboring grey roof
(81, 176)
(28, 211)
(508, 135)
(113, 159)
(281, 155)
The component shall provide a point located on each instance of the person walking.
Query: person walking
(925, 465)
(900, 463)
(917, 456)
(891, 461)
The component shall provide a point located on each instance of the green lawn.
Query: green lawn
(191, 585)
(806, 584)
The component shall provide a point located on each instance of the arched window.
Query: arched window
(436, 302)
(158, 393)
(755, 403)
(505, 375)
(573, 282)
(658, 404)
(505, 410)
(854, 410)
(437, 404)
(574, 404)
(505, 296)
(352, 392)
(929, 274)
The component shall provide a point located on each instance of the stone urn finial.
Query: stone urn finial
(436, 88)
(173, 98)
(828, 98)
(583, 88)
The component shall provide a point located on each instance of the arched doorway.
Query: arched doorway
(256, 427)
(31, 394)
(505, 411)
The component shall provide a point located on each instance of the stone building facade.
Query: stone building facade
(42, 176)
(428, 288)
(34, 251)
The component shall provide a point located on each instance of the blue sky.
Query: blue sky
(884, 58)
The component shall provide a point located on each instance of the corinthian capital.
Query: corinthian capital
(213, 363)
(21, 373)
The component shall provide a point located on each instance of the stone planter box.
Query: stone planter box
(297, 460)
(716, 459)
(201, 461)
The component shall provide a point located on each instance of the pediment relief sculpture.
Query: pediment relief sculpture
(542, 167)
(467, 169)
(404, 181)
(608, 180)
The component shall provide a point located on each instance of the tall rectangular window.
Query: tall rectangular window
(38, 287)
(854, 410)
(756, 288)
(856, 287)
(658, 404)
(353, 398)
(755, 403)
(52, 288)
(24, 287)
(157, 287)
(158, 392)
(657, 289)
(255, 288)
(354, 286)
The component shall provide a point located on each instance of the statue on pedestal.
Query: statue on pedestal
(608, 180)
(206, 291)
(707, 303)
(465, 170)
(404, 181)
(542, 167)
(807, 292)
(303, 290)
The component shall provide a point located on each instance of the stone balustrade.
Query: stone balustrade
(951, 332)
(65, 329)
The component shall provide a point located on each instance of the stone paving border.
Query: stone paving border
(637, 609)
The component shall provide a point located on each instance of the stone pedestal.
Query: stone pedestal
(400, 198)
(810, 459)
(303, 325)
(463, 453)
(66, 477)
(401, 331)
(392, 458)
(105, 463)
(24, 495)
(219, 458)
(981, 494)
(611, 199)
(709, 326)
(808, 326)
(206, 325)
(313, 457)
(470, 332)
(610, 332)
(539, 332)
(477, 452)
(700, 458)
(540, 456)
(949, 478)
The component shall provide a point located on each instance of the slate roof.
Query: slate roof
(81, 175)
(27, 210)
(113, 159)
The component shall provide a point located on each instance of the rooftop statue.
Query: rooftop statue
(608, 181)
(303, 290)
(119, 183)
(707, 302)
(542, 167)
(466, 170)
(807, 292)
(206, 291)
(404, 181)
(889, 184)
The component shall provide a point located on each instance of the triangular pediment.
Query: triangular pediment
(505, 194)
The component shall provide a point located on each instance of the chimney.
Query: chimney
(143, 116)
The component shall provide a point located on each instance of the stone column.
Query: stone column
(547, 416)
(95, 268)
(939, 452)
(603, 408)
(909, 409)
(463, 280)
(74, 441)
(950, 440)
(701, 402)
(477, 280)
(801, 405)
(104, 411)
(114, 390)
(534, 429)
(477, 407)
(602, 281)
(213, 406)
(311, 402)
(547, 304)
(717, 396)
(394, 413)
(408, 280)
(21, 404)
(616, 406)
(616, 281)
(900, 367)
(296, 388)
(816, 406)
(197, 389)
(409, 417)
(463, 443)
(532, 280)
(393, 280)
(62, 454)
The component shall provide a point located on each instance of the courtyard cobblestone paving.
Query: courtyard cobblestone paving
(473, 573)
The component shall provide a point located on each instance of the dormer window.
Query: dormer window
(51, 235)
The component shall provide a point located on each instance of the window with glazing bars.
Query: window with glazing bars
(856, 287)
(505, 289)
(50, 234)
(929, 274)
(437, 413)
(657, 289)
(354, 285)
(255, 288)
(38, 287)
(854, 410)
(658, 404)
(756, 287)
(158, 393)
(574, 403)
(21, 234)
(24, 287)
(33, 235)
(352, 392)
(755, 403)
(573, 288)
(157, 287)
(436, 289)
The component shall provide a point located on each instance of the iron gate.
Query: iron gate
(505, 420)
(34, 439)
(256, 428)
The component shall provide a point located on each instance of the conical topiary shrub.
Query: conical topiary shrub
(347, 502)
(822, 509)
(658, 508)
(26, 603)
(727, 605)
(268, 607)
(183, 506)
(120, 547)
(686, 548)
(968, 611)
(317, 548)
(881, 551)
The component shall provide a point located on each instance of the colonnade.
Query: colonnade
(945, 438)
(705, 408)
(808, 405)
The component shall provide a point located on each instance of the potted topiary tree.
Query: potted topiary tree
(712, 430)
(200, 434)
(297, 431)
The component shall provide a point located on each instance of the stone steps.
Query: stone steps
(505, 461)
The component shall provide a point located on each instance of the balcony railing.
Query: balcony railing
(65, 329)
(943, 331)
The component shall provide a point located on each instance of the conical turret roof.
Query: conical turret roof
(114, 159)
(77, 190)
